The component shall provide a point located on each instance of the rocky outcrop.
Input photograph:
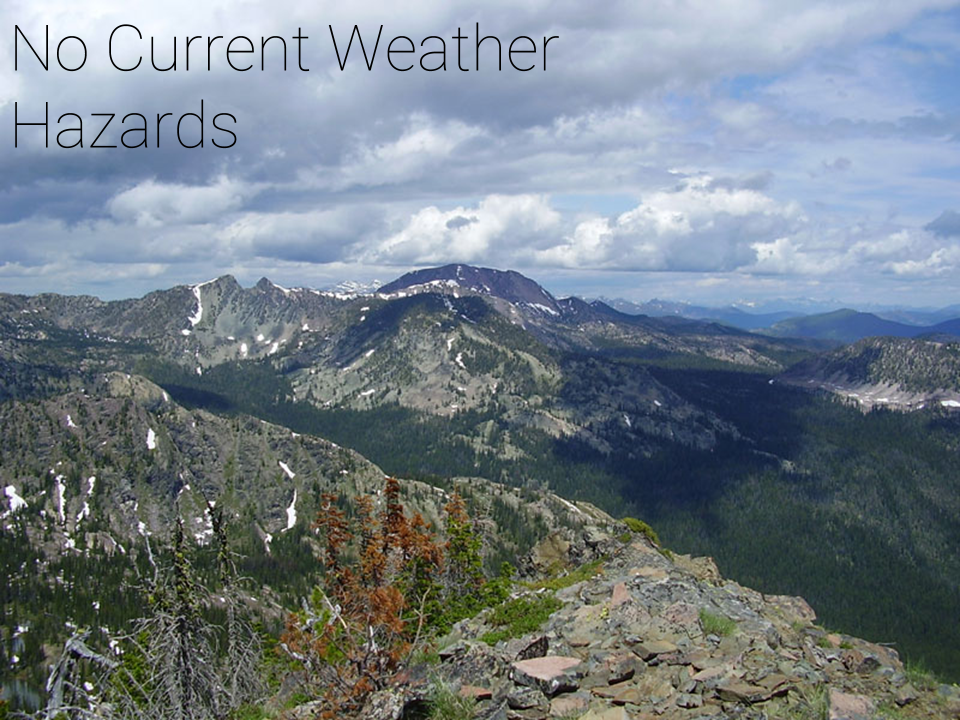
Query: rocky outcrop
(649, 637)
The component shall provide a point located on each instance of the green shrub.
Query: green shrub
(297, 698)
(889, 711)
(716, 624)
(584, 572)
(520, 616)
(639, 527)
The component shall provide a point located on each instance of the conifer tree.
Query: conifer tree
(172, 666)
(464, 560)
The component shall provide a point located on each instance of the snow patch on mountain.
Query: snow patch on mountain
(61, 499)
(16, 502)
(198, 315)
(205, 533)
(349, 289)
(292, 512)
(570, 506)
(544, 309)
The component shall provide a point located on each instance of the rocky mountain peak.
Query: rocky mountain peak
(224, 283)
(265, 285)
(507, 285)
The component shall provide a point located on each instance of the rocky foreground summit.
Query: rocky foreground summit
(652, 635)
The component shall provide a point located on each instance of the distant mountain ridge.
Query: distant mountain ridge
(847, 326)
(730, 315)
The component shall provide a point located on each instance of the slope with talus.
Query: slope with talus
(651, 635)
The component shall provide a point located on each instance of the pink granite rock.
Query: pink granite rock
(844, 706)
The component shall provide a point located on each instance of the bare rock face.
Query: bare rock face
(552, 551)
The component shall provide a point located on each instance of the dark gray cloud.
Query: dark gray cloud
(455, 223)
(946, 225)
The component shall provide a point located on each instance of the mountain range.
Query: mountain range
(757, 316)
(120, 416)
(795, 319)
(730, 315)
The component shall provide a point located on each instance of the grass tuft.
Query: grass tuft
(639, 527)
(716, 624)
(445, 704)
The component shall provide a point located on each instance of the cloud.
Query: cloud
(840, 164)
(423, 146)
(497, 226)
(779, 139)
(320, 236)
(947, 224)
(155, 204)
(455, 223)
(702, 224)
(942, 261)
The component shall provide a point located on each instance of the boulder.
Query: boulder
(844, 706)
(552, 674)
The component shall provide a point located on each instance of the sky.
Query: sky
(704, 150)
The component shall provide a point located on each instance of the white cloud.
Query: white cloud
(497, 226)
(423, 146)
(154, 204)
(700, 224)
